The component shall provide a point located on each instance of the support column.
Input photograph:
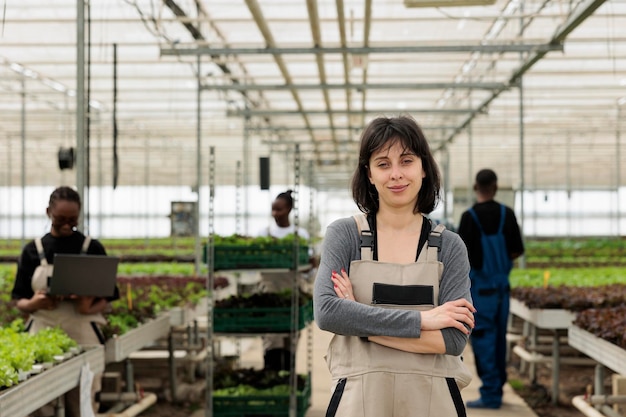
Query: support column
(80, 105)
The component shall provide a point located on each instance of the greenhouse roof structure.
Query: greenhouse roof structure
(535, 89)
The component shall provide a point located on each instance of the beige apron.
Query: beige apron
(382, 381)
(77, 326)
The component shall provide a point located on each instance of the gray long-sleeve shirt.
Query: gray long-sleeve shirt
(340, 247)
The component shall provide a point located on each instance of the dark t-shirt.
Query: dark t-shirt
(29, 259)
(426, 229)
(489, 215)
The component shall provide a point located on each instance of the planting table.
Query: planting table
(603, 352)
(182, 316)
(119, 347)
(39, 390)
(552, 319)
(557, 321)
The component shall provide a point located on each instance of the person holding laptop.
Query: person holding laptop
(79, 316)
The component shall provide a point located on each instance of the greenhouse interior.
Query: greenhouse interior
(169, 135)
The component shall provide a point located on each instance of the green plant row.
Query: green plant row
(145, 290)
(577, 259)
(519, 277)
(162, 242)
(19, 350)
(572, 244)
(8, 311)
(180, 269)
(579, 277)
(564, 250)
(168, 246)
(144, 298)
(594, 249)
(159, 298)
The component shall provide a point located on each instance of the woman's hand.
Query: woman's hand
(90, 305)
(83, 304)
(457, 314)
(342, 287)
(41, 301)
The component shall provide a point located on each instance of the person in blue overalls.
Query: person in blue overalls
(493, 239)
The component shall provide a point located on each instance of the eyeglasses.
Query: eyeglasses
(61, 220)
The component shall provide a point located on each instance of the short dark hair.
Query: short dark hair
(486, 180)
(382, 132)
(66, 194)
(287, 197)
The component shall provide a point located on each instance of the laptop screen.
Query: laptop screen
(87, 275)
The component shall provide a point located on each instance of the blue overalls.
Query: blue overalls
(490, 293)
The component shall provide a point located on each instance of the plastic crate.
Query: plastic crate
(261, 405)
(259, 320)
(257, 256)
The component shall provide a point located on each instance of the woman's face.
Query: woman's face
(397, 174)
(280, 212)
(64, 216)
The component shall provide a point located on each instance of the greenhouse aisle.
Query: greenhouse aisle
(252, 356)
(513, 405)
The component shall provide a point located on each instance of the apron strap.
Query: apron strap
(367, 237)
(42, 255)
(86, 243)
(434, 243)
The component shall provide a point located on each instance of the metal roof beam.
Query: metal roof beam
(316, 33)
(584, 10)
(368, 86)
(431, 49)
(306, 145)
(267, 112)
(280, 129)
(255, 9)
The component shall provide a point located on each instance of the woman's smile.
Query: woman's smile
(398, 188)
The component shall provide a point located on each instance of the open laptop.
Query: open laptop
(90, 275)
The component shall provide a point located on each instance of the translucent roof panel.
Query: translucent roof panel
(534, 89)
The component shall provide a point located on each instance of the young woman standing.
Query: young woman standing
(394, 290)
